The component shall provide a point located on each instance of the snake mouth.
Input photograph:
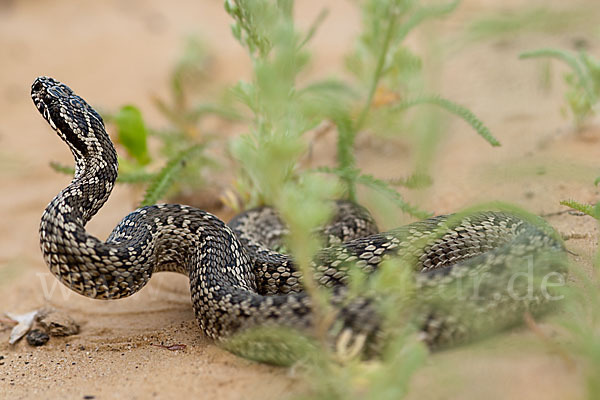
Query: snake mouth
(45, 112)
(43, 109)
(40, 97)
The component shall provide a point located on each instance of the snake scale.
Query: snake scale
(498, 262)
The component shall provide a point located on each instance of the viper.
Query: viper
(474, 272)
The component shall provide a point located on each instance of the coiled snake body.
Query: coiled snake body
(238, 281)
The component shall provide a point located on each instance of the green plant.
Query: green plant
(403, 353)
(582, 323)
(384, 66)
(583, 81)
(501, 24)
(582, 320)
(380, 62)
(270, 172)
(588, 209)
(269, 155)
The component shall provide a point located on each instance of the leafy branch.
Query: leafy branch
(588, 209)
(124, 177)
(386, 27)
(377, 73)
(453, 108)
(583, 82)
(379, 186)
(163, 180)
(582, 318)
(584, 79)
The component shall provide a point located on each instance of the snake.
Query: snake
(474, 272)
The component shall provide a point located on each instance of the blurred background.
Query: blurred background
(116, 53)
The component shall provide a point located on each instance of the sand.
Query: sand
(119, 52)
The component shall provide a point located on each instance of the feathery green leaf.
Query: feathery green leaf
(385, 189)
(63, 169)
(455, 109)
(587, 209)
(134, 176)
(164, 179)
(571, 61)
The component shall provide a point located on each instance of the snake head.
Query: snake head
(75, 121)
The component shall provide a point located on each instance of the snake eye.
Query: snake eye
(75, 102)
(56, 91)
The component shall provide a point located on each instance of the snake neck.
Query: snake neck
(63, 239)
(95, 175)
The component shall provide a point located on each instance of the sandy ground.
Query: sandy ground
(117, 52)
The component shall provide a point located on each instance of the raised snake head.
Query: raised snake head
(75, 121)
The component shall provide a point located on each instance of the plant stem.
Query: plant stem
(571, 61)
(376, 74)
(351, 130)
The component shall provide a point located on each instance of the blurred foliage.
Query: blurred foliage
(499, 24)
(387, 75)
(164, 179)
(582, 319)
(582, 322)
(379, 63)
(132, 133)
(588, 209)
(401, 351)
(390, 77)
(269, 154)
(583, 81)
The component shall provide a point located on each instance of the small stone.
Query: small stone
(57, 323)
(88, 397)
(37, 337)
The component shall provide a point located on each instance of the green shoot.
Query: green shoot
(415, 181)
(380, 58)
(583, 82)
(582, 322)
(531, 19)
(134, 176)
(583, 304)
(270, 172)
(270, 153)
(380, 62)
(588, 209)
(63, 169)
(455, 109)
(379, 186)
(161, 182)
(191, 70)
(273, 345)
